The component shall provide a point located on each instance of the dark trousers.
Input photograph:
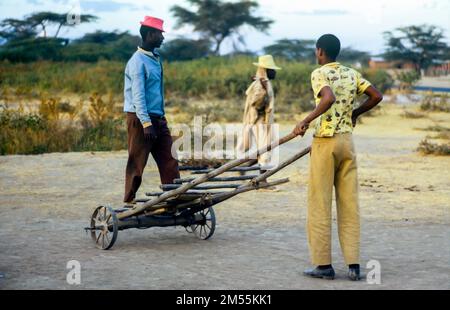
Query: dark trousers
(139, 149)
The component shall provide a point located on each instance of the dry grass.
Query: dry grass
(429, 148)
(436, 148)
(413, 114)
(437, 103)
(59, 126)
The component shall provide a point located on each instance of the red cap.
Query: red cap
(153, 22)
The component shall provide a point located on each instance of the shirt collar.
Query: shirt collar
(148, 53)
(332, 64)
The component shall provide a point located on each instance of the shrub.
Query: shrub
(428, 148)
(439, 103)
(61, 127)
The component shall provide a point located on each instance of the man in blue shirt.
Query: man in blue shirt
(144, 104)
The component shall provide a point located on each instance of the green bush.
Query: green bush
(214, 77)
(381, 79)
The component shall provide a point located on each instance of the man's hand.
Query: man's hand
(150, 133)
(301, 128)
(375, 97)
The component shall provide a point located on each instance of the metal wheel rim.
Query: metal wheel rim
(205, 230)
(106, 219)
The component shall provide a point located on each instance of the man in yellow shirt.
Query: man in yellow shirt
(333, 158)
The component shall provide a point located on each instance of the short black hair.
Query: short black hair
(144, 30)
(330, 44)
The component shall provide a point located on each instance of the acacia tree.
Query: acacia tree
(292, 49)
(27, 28)
(44, 19)
(216, 20)
(12, 29)
(351, 55)
(421, 45)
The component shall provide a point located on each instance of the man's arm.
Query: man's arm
(326, 101)
(138, 91)
(375, 97)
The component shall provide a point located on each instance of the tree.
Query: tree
(292, 49)
(20, 41)
(217, 20)
(185, 49)
(102, 37)
(422, 46)
(102, 45)
(43, 19)
(60, 20)
(350, 55)
(15, 30)
(407, 79)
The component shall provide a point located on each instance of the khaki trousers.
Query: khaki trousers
(333, 162)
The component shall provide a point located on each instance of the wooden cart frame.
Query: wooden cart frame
(189, 201)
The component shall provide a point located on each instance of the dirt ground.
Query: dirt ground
(260, 240)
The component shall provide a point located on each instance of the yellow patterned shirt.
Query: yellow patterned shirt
(346, 84)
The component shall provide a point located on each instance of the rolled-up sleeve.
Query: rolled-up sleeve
(137, 75)
(361, 83)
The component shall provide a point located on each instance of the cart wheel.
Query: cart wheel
(104, 227)
(204, 229)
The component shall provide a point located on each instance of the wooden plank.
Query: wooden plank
(215, 199)
(189, 193)
(254, 184)
(238, 169)
(225, 179)
(191, 168)
(169, 187)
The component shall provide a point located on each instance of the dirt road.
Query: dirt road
(260, 241)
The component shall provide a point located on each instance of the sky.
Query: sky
(358, 23)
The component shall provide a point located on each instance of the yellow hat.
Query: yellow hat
(267, 62)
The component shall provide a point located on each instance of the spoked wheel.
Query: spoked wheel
(205, 227)
(104, 227)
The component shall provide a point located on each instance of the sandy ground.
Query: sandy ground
(260, 240)
(441, 81)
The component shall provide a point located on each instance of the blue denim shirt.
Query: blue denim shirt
(144, 86)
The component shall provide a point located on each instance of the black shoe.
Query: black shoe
(354, 274)
(327, 273)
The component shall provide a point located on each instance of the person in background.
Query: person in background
(258, 117)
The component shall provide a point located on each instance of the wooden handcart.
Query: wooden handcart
(189, 201)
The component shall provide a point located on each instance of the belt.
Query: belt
(155, 116)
